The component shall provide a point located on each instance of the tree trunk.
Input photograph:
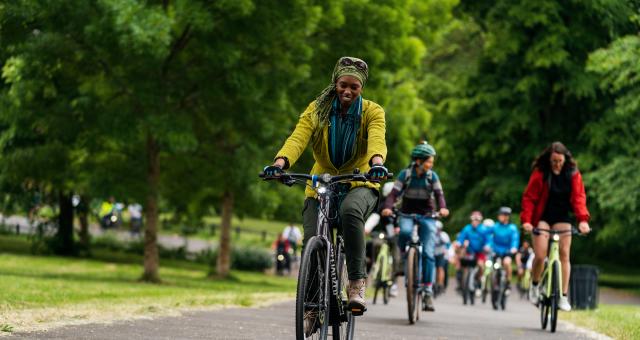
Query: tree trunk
(151, 259)
(223, 264)
(83, 217)
(64, 237)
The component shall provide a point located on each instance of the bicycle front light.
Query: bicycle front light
(322, 190)
(381, 236)
(114, 218)
(488, 263)
(280, 258)
(556, 237)
(496, 265)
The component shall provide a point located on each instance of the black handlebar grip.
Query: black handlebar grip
(261, 174)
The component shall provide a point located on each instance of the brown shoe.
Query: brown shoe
(355, 292)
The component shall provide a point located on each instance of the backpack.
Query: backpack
(407, 179)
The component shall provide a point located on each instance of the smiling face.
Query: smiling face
(425, 164)
(348, 89)
(557, 162)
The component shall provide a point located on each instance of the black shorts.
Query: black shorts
(552, 219)
(441, 262)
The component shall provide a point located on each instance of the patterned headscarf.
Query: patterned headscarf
(346, 66)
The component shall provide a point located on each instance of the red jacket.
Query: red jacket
(534, 199)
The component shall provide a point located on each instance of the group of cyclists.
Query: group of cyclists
(347, 133)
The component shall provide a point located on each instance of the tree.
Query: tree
(614, 151)
(529, 88)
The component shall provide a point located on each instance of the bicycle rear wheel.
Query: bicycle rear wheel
(555, 296)
(412, 284)
(344, 327)
(312, 310)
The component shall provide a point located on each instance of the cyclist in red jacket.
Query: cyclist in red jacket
(555, 189)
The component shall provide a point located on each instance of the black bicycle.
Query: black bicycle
(320, 298)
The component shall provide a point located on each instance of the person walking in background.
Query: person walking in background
(135, 218)
(555, 189)
(443, 243)
(293, 234)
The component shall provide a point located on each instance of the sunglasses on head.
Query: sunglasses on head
(476, 219)
(359, 64)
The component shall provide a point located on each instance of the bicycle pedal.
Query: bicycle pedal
(358, 311)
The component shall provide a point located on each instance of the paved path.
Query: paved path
(452, 320)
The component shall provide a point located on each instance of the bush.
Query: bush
(248, 258)
(242, 258)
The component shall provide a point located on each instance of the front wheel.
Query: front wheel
(312, 310)
(343, 328)
(412, 284)
(555, 296)
(544, 313)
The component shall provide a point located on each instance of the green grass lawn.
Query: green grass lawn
(616, 321)
(40, 292)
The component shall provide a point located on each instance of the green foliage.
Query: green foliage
(529, 87)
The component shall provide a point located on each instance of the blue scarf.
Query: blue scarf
(343, 131)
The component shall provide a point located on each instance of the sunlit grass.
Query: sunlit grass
(616, 321)
(40, 292)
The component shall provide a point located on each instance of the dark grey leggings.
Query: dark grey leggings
(356, 207)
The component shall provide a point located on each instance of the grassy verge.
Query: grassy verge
(43, 292)
(616, 321)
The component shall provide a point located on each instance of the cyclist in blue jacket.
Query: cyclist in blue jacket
(476, 238)
(505, 239)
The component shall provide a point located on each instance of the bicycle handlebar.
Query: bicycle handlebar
(324, 178)
(573, 231)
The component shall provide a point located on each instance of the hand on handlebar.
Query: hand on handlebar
(444, 212)
(386, 212)
(271, 171)
(378, 173)
(528, 227)
(584, 228)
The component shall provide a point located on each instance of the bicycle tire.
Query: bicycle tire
(412, 294)
(471, 287)
(503, 291)
(377, 282)
(543, 302)
(555, 296)
(385, 294)
(465, 285)
(344, 329)
(312, 289)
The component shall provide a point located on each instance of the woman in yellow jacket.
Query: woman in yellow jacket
(346, 132)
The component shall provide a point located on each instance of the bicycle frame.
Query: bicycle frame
(553, 256)
(384, 254)
(324, 233)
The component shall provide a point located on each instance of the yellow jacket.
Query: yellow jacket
(370, 140)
